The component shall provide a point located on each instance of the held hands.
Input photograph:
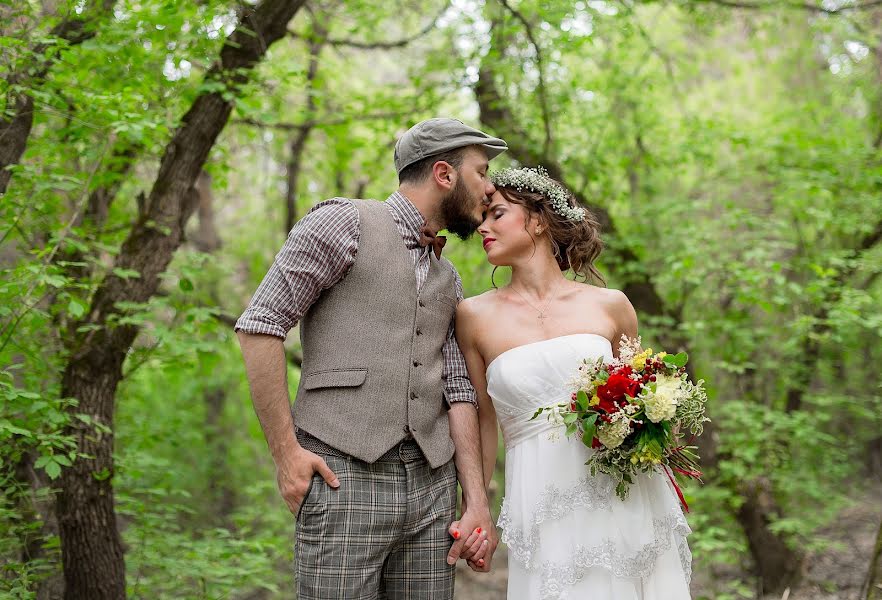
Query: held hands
(475, 540)
(294, 475)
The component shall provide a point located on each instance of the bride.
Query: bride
(568, 534)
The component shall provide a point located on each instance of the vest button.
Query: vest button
(419, 332)
(406, 429)
(413, 396)
(421, 304)
(416, 363)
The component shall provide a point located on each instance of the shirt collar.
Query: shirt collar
(409, 219)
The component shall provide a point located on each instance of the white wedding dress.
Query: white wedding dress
(568, 534)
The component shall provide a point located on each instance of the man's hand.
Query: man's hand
(475, 540)
(294, 475)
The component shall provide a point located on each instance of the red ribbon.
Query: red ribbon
(692, 474)
(677, 488)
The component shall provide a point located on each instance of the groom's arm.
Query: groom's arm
(319, 251)
(466, 437)
(465, 431)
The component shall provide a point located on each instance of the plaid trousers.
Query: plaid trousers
(381, 535)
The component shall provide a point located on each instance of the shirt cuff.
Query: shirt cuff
(461, 396)
(262, 322)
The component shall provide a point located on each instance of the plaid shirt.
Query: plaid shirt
(318, 253)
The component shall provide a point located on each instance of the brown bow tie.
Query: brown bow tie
(436, 241)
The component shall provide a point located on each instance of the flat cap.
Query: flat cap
(435, 136)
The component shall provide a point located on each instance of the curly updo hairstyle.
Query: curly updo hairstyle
(575, 244)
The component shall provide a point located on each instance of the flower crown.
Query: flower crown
(537, 180)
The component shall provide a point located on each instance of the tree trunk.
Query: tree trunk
(90, 542)
(874, 576)
(293, 176)
(298, 143)
(217, 436)
(776, 565)
(206, 238)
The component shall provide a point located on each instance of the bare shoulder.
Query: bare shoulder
(476, 307)
(609, 298)
(616, 299)
(614, 305)
(622, 312)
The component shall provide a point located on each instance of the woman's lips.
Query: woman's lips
(488, 241)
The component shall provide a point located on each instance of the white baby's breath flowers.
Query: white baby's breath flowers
(586, 374)
(629, 348)
(537, 180)
(612, 434)
(661, 405)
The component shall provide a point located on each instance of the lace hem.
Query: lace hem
(555, 578)
(589, 492)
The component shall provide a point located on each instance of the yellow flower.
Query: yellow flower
(595, 400)
(639, 362)
(661, 355)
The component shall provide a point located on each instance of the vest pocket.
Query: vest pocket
(335, 378)
(448, 300)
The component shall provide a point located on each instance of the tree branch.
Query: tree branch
(15, 130)
(793, 6)
(320, 123)
(377, 45)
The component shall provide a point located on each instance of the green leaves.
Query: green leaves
(75, 308)
(52, 464)
(589, 428)
(676, 360)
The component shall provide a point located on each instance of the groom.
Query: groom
(384, 397)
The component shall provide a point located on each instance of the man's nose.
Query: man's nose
(491, 189)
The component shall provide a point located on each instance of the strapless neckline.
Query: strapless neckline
(545, 341)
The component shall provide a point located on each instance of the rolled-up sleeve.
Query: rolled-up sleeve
(318, 253)
(455, 375)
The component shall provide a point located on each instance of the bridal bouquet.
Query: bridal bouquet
(635, 411)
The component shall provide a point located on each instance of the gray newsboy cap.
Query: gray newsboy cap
(435, 136)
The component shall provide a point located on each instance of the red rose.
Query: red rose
(614, 390)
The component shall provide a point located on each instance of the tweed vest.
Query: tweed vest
(372, 362)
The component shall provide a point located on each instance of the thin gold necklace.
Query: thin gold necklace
(542, 316)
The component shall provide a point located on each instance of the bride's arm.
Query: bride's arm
(466, 330)
(625, 318)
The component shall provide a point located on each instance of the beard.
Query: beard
(455, 212)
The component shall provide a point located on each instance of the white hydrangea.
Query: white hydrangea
(661, 405)
(537, 180)
(612, 434)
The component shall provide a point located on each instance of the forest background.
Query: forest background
(154, 154)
